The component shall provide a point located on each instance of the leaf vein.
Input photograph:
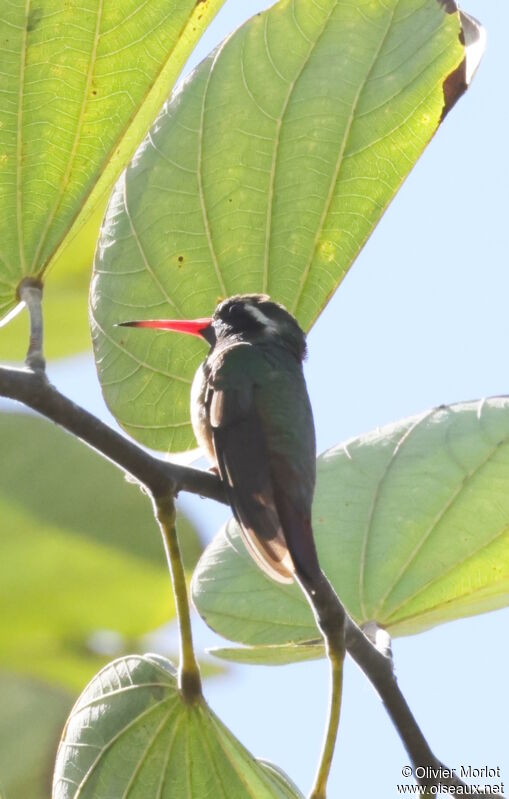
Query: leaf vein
(19, 144)
(340, 159)
(277, 140)
(75, 145)
(374, 506)
(199, 174)
(436, 521)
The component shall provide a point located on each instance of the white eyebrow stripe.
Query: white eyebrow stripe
(255, 312)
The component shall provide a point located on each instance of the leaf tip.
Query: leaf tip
(473, 38)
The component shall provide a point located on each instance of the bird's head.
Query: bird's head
(254, 317)
(244, 317)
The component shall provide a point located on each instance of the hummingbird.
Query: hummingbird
(251, 415)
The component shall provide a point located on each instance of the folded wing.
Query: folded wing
(269, 495)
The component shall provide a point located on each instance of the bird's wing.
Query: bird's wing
(260, 483)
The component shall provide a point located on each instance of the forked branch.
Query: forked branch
(163, 480)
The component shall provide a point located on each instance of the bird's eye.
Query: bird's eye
(236, 313)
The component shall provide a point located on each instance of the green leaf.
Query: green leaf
(80, 87)
(267, 171)
(131, 733)
(79, 553)
(30, 723)
(411, 523)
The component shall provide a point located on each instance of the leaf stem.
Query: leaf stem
(336, 659)
(330, 617)
(30, 292)
(189, 671)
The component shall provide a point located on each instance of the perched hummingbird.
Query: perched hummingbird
(251, 415)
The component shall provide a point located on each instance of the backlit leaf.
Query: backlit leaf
(267, 171)
(411, 523)
(80, 85)
(130, 733)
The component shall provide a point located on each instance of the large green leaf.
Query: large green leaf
(79, 553)
(412, 527)
(80, 86)
(267, 171)
(130, 733)
(32, 716)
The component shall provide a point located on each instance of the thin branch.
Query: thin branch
(340, 631)
(189, 671)
(378, 667)
(374, 656)
(35, 391)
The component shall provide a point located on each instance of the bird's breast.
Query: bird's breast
(199, 415)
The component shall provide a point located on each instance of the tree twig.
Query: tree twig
(35, 391)
(378, 667)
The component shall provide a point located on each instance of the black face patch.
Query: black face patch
(236, 315)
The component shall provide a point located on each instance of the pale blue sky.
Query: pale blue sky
(420, 320)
